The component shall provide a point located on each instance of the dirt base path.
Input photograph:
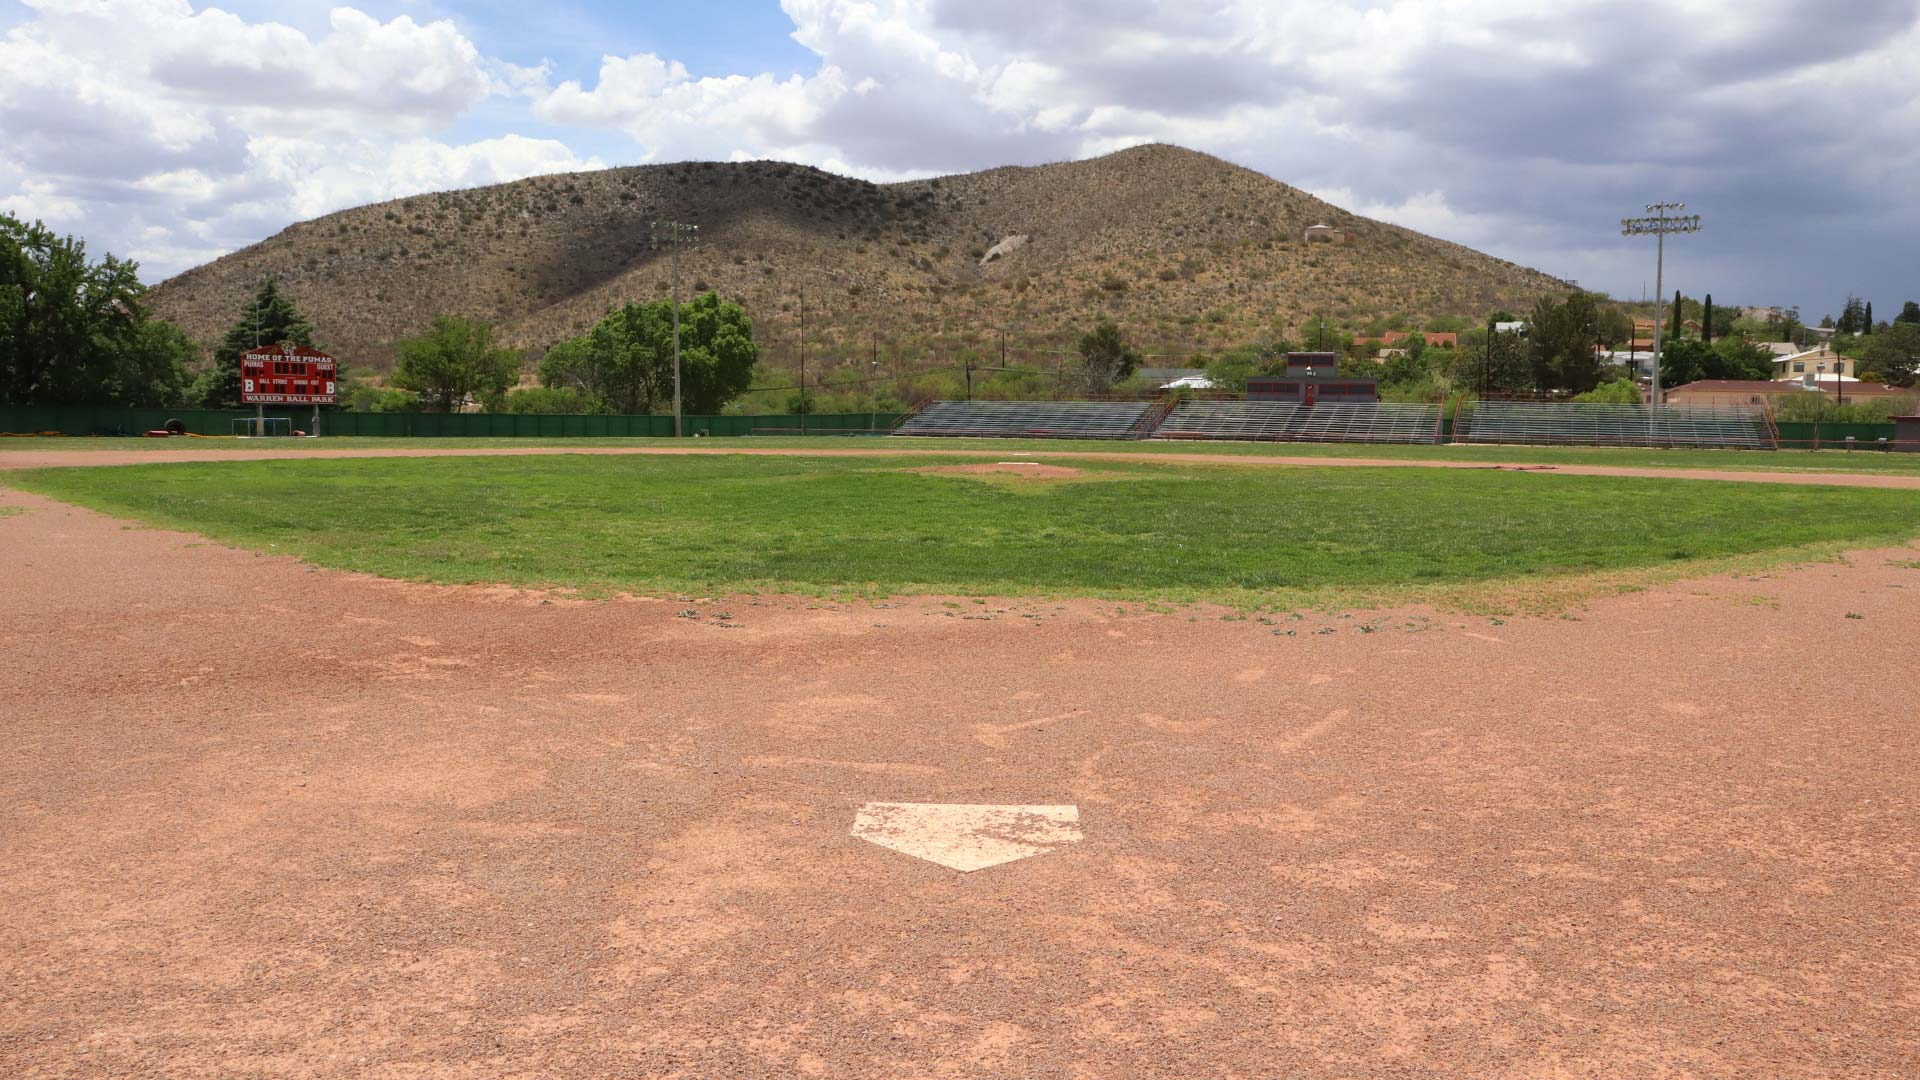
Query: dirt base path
(37, 459)
(260, 820)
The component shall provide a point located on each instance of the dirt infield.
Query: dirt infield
(38, 459)
(1025, 470)
(264, 820)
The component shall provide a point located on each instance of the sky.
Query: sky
(172, 133)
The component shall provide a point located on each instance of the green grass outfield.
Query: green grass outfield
(1810, 461)
(728, 524)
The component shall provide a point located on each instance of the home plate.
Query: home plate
(965, 837)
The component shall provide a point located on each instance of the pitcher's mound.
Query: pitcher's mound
(1030, 470)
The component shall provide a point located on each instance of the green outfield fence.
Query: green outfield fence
(35, 419)
(1807, 436)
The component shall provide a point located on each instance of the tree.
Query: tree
(456, 361)
(547, 400)
(1866, 321)
(1105, 357)
(717, 354)
(1673, 328)
(1613, 326)
(270, 319)
(625, 363)
(1617, 392)
(1851, 316)
(1563, 337)
(1706, 321)
(1491, 363)
(1893, 357)
(1738, 358)
(73, 332)
(1685, 361)
(1910, 313)
(1407, 367)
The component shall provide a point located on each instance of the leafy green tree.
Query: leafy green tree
(1909, 313)
(1491, 363)
(1686, 360)
(1105, 357)
(366, 397)
(1893, 357)
(1738, 358)
(625, 363)
(456, 361)
(1406, 368)
(717, 354)
(1612, 326)
(548, 401)
(1617, 392)
(73, 332)
(271, 319)
(1564, 333)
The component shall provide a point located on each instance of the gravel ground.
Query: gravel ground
(263, 820)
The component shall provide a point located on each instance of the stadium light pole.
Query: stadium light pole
(1661, 224)
(675, 235)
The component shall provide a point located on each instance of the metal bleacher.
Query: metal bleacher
(1581, 424)
(1286, 421)
(1030, 419)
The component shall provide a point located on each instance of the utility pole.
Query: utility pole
(1486, 381)
(674, 235)
(1659, 225)
(803, 363)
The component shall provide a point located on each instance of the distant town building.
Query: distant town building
(1756, 391)
(1796, 367)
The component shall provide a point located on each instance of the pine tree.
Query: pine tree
(271, 319)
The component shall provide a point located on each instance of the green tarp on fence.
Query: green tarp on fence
(95, 421)
(1799, 436)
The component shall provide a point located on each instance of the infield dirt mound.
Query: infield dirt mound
(1025, 470)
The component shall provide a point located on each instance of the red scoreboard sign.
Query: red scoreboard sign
(287, 375)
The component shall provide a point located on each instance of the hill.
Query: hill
(1182, 249)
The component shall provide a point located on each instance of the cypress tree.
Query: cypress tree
(1866, 324)
(1676, 315)
(1706, 321)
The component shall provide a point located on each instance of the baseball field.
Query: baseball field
(866, 758)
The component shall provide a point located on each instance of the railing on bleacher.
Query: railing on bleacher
(1584, 424)
(1282, 421)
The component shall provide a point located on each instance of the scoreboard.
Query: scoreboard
(287, 374)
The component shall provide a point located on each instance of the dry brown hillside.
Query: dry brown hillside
(1184, 250)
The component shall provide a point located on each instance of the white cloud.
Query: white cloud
(172, 136)
(1523, 129)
